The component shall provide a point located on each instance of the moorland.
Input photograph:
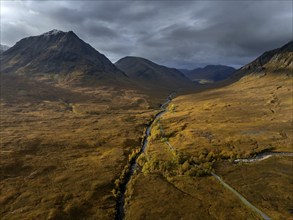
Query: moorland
(71, 123)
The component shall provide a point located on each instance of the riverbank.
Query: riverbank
(132, 166)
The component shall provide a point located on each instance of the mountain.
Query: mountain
(58, 54)
(3, 48)
(279, 60)
(150, 74)
(209, 73)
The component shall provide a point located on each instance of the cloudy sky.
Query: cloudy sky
(182, 34)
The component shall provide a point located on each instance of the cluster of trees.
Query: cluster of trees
(156, 132)
(179, 165)
(123, 178)
(230, 154)
(200, 164)
(118, 183)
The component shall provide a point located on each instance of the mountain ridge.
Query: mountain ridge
(58, 53)
(211, 73)
(150, 74)
(279, 60)
(3, 48)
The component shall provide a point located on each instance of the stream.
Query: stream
(259, 157)
(133, 162)
(120, 211)
(263, 156)
(244, 200)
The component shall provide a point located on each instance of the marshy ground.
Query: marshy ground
(211, 129)
(63, 149)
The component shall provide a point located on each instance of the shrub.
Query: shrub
(192, 172)
(185, 166)
(142, 159)
(181, 158)
(169, 167)
(164, 139)
(210, 156)
(172, 108)
(201, 173)
(156, 132)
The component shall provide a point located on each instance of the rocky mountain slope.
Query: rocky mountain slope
(58, 54)
(279, 60)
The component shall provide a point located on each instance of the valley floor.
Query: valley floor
(206, 132)
(63, 150)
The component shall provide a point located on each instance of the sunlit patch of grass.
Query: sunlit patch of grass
(238, 121)
(207, 132)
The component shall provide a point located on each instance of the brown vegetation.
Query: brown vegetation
(207, 131)
(63, 148)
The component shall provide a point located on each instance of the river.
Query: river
(133, 162)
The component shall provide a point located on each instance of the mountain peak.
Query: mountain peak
(58, 53)
(53, 32)
(57, 34)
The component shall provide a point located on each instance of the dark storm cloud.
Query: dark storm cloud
(175, 33)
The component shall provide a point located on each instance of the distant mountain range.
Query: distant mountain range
(63, 56)
(210, 73)
(3, 48)
(150, 74)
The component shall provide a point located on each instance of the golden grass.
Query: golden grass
(63, 148)
(152, 196)
(209, 127)
(268, 184)
(246, 117)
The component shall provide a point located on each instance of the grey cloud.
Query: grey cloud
(95, 29)
(183, 34)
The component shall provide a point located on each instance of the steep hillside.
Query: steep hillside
(58, 54)
(210, 73)
(275, 61)
(150, 74)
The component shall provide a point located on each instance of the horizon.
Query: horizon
(220, 33)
